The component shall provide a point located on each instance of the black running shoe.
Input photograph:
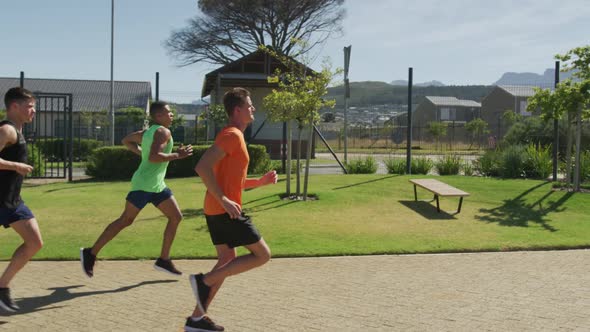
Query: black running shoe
(204, 324)
(201, 290)
(87, 259)
(165, 265)
(8, 304)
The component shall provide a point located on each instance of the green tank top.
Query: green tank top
(150, 176)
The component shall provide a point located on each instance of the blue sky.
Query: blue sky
(453, 41)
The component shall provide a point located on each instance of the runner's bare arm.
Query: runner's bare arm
(133, 142)
(9, 136)
(268, 178)
(161, 138)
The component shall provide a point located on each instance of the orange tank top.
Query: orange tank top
(231, 171)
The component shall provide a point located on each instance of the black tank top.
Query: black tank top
(11, 181)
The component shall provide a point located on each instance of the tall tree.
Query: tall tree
(300, 97)
(226, 30)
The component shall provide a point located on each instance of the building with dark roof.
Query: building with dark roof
(501, 99)
(87, 96)
(251, 72)
(451, 109)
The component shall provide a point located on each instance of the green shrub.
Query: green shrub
(277, 165)
(396, 165)
(368, 165)
(585, 166)
(488, 164)
(467, 167)
(53, 148)
(449, 165)
(36, 159)
(112, 163)
(259, 159)
(186, 167)
(512, 162)
(421, 165)
(538, 162)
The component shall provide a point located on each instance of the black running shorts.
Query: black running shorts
(233, 232)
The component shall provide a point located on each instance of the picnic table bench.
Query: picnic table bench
(439, 188)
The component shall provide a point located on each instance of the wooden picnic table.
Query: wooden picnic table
(439, 188)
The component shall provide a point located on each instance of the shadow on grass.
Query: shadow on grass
(259, 199)
(63, 294)
(427, 210)
(279, 205)
(517, 212)
(366, 182)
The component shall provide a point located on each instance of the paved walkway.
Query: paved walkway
(514, 291)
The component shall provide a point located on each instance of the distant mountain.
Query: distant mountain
(405, 83)
(380, 93)
(545, 80)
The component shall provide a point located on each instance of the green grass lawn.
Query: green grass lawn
(355, 215)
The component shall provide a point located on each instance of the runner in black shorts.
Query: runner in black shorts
(223, 169)
(20, 109)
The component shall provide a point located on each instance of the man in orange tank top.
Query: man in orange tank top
(223, 169)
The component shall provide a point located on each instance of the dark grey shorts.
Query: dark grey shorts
(21, 212)
(233, 232)
(140, 198)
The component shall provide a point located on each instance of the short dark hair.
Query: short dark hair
(234, 97)
(17, 94)
(156, 107)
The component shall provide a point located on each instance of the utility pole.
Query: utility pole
(346, 97)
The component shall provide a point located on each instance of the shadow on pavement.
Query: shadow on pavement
(63, 294)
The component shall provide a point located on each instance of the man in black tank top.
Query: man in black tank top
(20, 109)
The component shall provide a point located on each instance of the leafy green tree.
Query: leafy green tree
(571, 99)
(437, 130)
(299, 98)
(476, 128)
(2, 114)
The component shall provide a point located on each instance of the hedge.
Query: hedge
(116, 163)
(36, 159)
(53, 148)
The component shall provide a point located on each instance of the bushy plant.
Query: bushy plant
(585, 166)
(421, 165)
(367, 165)
(112, 163)
(186, 167)
(259, 159)
(396, 165)
(488, 164)
(449, 165)
(538, 162)
(53, 148)
(467, 168)
(512, 162)
(36, 159)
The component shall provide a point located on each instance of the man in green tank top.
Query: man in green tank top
(154, 145)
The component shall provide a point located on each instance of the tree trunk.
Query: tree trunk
(578, 148)
(310, 137)
(299, 162)
(289, 148)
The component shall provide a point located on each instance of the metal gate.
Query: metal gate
(50, 136)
